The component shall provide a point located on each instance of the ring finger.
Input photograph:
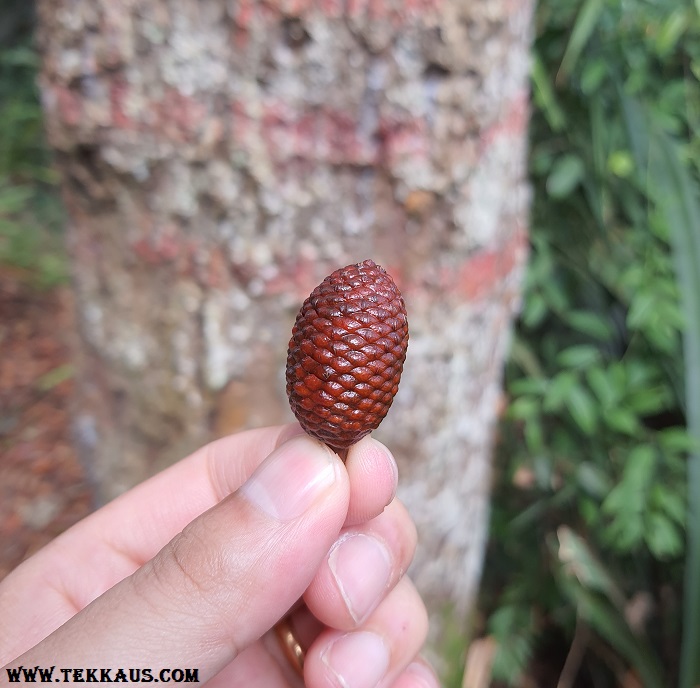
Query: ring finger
(375, 654)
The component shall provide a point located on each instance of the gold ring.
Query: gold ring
(291, 647)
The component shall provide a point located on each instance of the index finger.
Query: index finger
(110, 544)
(139, 522)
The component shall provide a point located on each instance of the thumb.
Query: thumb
(221, 583)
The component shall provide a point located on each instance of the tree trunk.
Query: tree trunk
(219, 158)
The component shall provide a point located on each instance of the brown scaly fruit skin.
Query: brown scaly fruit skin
(346, 354)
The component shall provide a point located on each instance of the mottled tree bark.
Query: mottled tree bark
(220, 157)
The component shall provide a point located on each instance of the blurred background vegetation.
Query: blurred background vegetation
(30, 212)
(595, 464)
(588, 536)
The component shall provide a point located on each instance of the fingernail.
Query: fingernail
(291, 479)
(361, 567)
(357, 660)
(423, 675)
(395, 469)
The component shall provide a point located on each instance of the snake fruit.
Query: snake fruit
(346, 354)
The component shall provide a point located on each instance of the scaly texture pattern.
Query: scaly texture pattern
(346, 354)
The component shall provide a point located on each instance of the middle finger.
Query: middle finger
(361, 568)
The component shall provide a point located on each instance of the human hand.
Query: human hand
(193, 567)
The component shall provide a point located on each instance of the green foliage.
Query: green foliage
(589, 510)
(587, 585)
(676, 197)
(513, 625)
(30, 217)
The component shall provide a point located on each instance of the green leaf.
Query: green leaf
(590, 323)
(639, 372)
(559, 390)
(545, 97)
(534, 434)
(593, 479)
(578, 561)
(677, 440)
(589, 510)
(540, 162)
(668, 501)
(636, 127)
(627, 501)
(567, 172)
(610, 623)
(582, 408)
(583, 29)
(640, 467)
(671, 31)
(621, 420)
(662, 537)
(625, 534)
(524, 408)
(594, 71)
(55, 377)
(527, 386)
(580, 356)
(512, 627)
(20, 56)
(677, 196)
(646, 402)
(523, 356)
(535, 310)
(642, 310)
(556, 297)
(14, 198)
(603, 386)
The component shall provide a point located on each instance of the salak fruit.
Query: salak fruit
(346, 354)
